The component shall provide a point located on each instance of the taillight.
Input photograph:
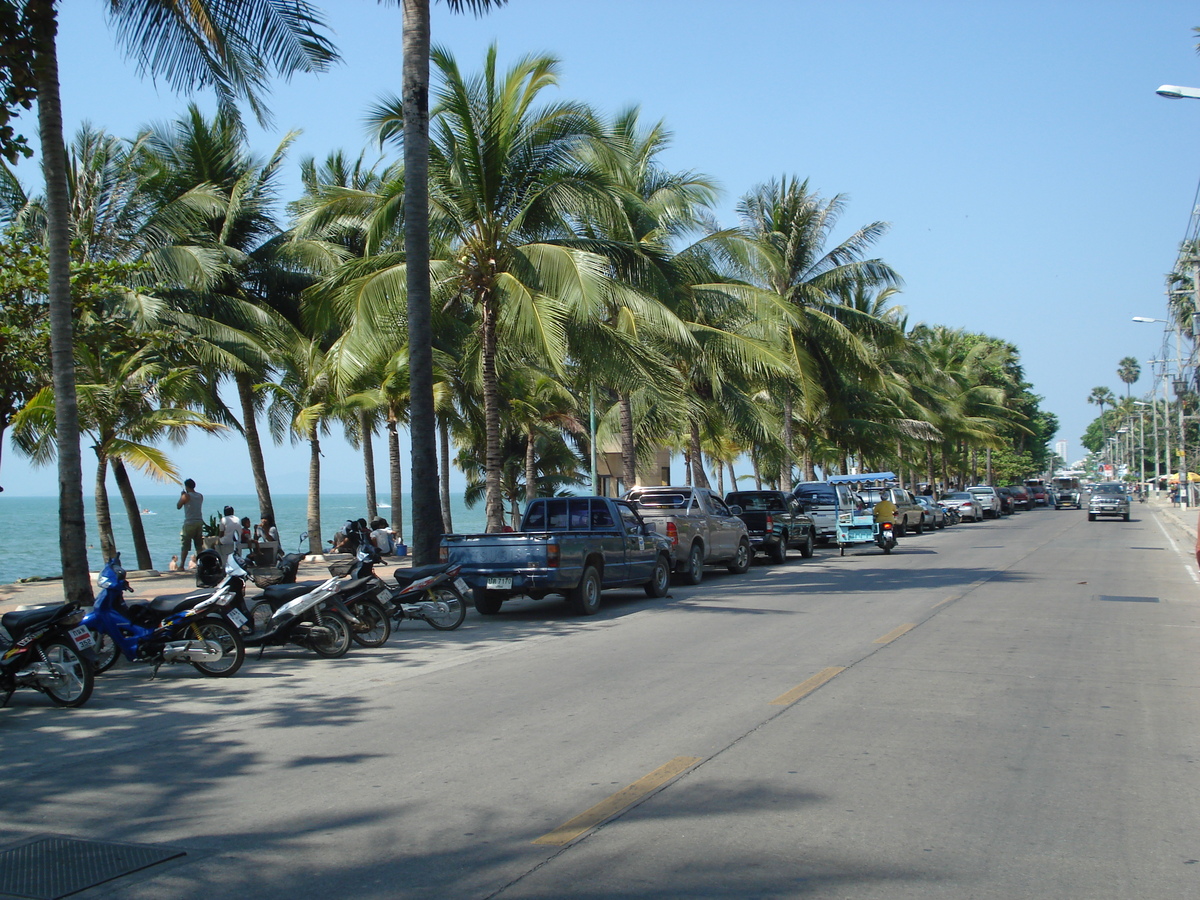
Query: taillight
(673, 533)
(770, 522)
(552, 554)
(887, 526)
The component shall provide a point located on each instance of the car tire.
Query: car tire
(660, 581)
(806, 549)
(585, 597)
(693, 568)
(487, 603)
(1091, 517)
(920, 529)
(740, 564)
(777, 552)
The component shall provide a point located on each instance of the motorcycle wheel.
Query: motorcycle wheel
(456, 608)
(106, 651)
(379, 626)
(76, 673)
(887, 549)
(233, 651)
(336, 646)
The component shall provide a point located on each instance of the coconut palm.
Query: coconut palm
(788, 227)
(1129, 370)
(229, 46)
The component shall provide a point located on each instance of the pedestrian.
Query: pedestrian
(192, 533)
(174, 564)
(230, 533)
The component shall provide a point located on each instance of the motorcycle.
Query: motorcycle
(46, 649)
(432, 594)
(301, 615)
(200, 635)
(885, 536)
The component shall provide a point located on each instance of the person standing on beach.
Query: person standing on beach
(230, 531)
(192, 532)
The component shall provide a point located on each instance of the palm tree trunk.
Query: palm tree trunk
(368, 451)
(721, 478)
(733, 485)
(699, 478)
(316, 546)
(108, 543)
(141, 546)
(493, 463)
(444, 472)
(628, 446)
(72, 534)
(258, 465)
(757, 474)
(427, 525)
(395, 472)
(530, 465)
(785, 463)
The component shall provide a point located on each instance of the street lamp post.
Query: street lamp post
(1142, 428)
(1180, 385)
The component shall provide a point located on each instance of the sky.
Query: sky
(1037, 189)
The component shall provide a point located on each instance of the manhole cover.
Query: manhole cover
(1127, 599)
(52, 867)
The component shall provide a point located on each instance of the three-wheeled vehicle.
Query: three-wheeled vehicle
(856, 522)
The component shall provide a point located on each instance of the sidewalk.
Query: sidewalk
(147, 587)
(1180, 520)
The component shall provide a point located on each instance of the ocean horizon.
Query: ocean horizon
(31, 523)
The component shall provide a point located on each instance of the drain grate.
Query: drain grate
(1127, 599)
(52, 867)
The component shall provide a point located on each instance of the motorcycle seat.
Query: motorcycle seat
(405, 577)
(282, 593)
(19, 621)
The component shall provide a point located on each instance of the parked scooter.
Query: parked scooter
(301, 615)
(46, 649)
(433, 594)
(200, 635)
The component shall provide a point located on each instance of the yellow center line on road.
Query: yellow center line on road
(804, 689)
(895, 633)
(606, 809)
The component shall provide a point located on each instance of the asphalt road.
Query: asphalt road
(1002, 710)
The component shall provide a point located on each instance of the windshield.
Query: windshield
(959, 495)
(767, 501)
(816, 492)
(1110, 489)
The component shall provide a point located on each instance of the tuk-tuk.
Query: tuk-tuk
(1067, 492)
(856, 522)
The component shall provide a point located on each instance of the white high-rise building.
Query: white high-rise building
(1060, 447)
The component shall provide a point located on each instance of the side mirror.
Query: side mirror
(649, 528)
(735, 510)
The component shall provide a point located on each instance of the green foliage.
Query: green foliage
(18, 86)
(24, 325)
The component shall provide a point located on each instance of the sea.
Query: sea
(30, 526)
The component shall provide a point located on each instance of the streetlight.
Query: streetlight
(1142, 424)
(1180, 385)
(1175, 92)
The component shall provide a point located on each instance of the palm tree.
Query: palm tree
(414, 92)
(1129, 370)
(506, 190)
(228, 46)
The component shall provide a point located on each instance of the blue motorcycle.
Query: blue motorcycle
(200, 635)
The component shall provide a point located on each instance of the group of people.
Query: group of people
(353, 533)
(233, 534)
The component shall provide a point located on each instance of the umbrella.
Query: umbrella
(1191, 477)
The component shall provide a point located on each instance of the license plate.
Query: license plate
(463, 587)
(498, 584)
(82, 637)
(235, 616)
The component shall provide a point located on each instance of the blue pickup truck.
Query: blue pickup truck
(574, 546)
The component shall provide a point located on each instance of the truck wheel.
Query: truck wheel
(693, 569)
(806, 549)
(778, 551)
(585, 598)
(1125, 517)
(741, 560)
(660, 579)
(487, 603)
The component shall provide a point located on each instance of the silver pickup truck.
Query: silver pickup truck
(574, 546)
(703, 531)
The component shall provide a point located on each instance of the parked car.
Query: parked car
(989, 500)
(1109, 499)
(1037, 488)
(909, 513)
(967, 504)
(703, 531)
(1022, 498)
(775, 523)
(574, 546)
(1008, 504)
(937, 514)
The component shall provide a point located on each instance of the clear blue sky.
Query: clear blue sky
(1037, 188)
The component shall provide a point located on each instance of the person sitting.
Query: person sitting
(884, 511)
(381, 535)
(265, 542)
(348, 539)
